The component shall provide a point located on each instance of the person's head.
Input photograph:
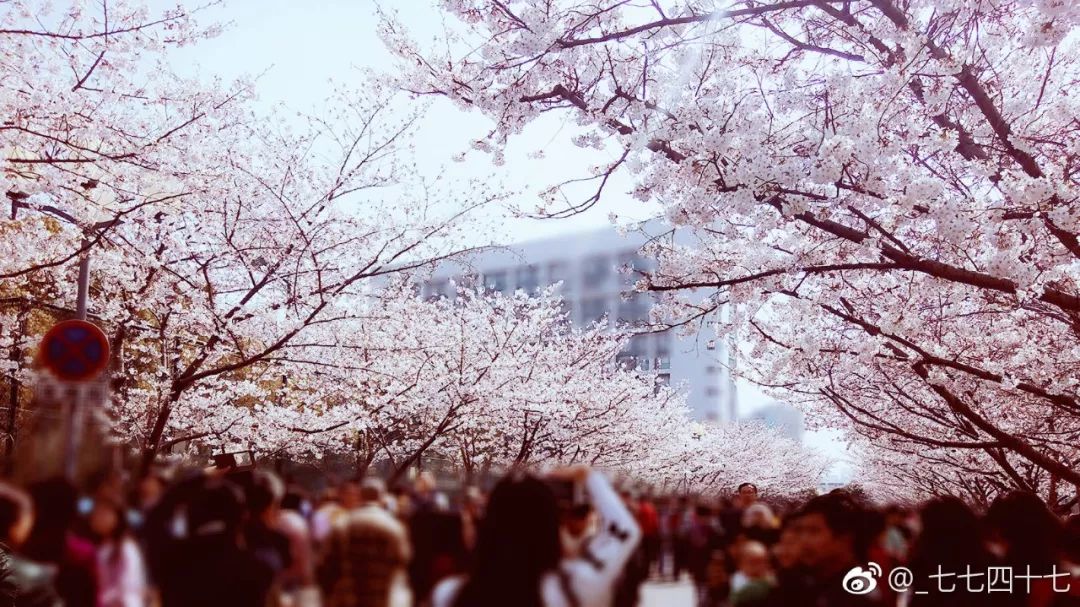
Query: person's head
(349, 495)
(753, 559)
(424, 485)
(703, 513)
(518, 542)
(473, 500)
(834, 532)
(372, 492)
(296, 499)
(759, 515)
(107, 520)
(149, 490)
(1027, 530)
(215, 513)
(264, 494)
(788, 548)
(16, 516)
(746, 494)
(951, 533)
(106, 484)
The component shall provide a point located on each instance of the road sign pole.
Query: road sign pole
(84, 281)
(74, 411)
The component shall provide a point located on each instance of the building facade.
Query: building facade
(594, 271)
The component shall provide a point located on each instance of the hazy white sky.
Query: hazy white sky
(298, 48)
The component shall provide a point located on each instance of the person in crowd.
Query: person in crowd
(298, 579)
(472, 511)
(897, 539)
(53, 540)
(649, 522)
(705, 554)
(261, 536)
(403, 503)
(121, 572)
(666, 560)
(438, 538)
(107, 484)
(424, 492)
(1027, 535)
(759, 524)
(518, 559)
(746, 495)
(201, 559)
(834, 534)
(337, 502)
(636, 570)
(681, 520)
(754, 579)
(28, 583)
(148, 490)
(367, 553)
(327, 512)
(785, 552)
(951, 540)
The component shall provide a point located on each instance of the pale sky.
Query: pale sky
(297, 48)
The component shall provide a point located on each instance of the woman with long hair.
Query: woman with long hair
(519, 559)
(121, 569)
(952, 542)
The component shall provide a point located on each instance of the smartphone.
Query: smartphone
(238, 461)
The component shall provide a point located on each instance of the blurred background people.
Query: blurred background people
(53, 540)
(754, 579)
(29, 583)
(121, 572)
(519, 560)
(366, 556)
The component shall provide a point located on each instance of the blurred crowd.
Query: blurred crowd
(220, 537)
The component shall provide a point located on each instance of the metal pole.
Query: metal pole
(74, 409)
(84, 281)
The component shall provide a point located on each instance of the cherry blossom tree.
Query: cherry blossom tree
(489, 381)
(218, 234)
(484, 380)
(882, 193)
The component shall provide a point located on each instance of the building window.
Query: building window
(596, 270)
(496, 281)
(528, 279)
(593, 309)
(712, 391)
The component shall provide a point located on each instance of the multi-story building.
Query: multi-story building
(590, 269)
